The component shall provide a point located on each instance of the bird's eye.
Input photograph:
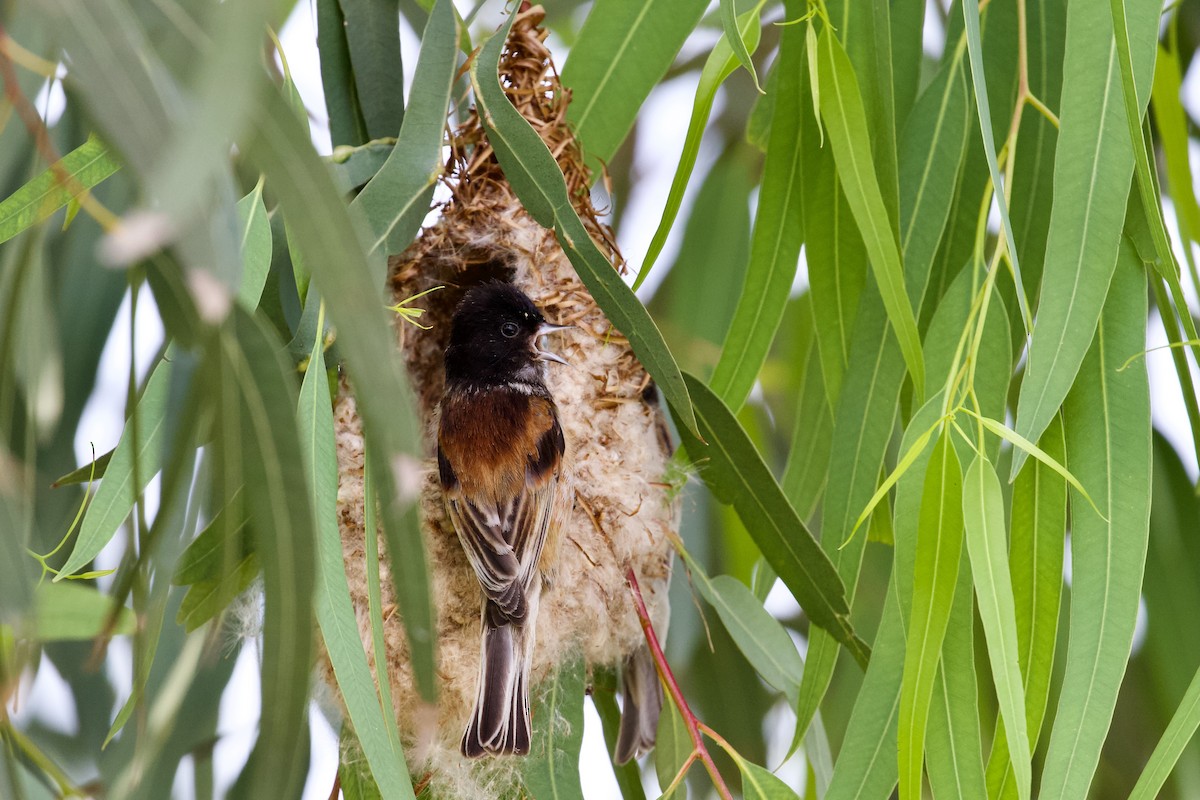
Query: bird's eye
(509, 329)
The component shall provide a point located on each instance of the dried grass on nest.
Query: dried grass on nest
(613, 508)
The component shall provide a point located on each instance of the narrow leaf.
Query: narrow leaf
(983, 515)
(397, 199)
(134, 462)
(71, 611)
(69, 178)
(720, 65)
(622, 52)
(335, 613)
(778, 231)
(1094, 164)
(372, 30)
(1108, 435)
(255, 247)
(733, 35)
(551, 770)
(938, 552)
(844, 116)
(737, 474)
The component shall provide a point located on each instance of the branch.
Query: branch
(668, 680)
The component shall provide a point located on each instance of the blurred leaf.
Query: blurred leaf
(255, 246)
(760, 637)
(325, 232)
(551, 770)
(1108, 436)
(808, 455)
(346, 123)
(335, 612)
(135, 461)
(354, 774)
(603, 694)
(622, 53)
(354, 166)
(539, 184)
(983, 514)
(372, 30)
(89, 471)
(261, 430)
(66, 611)
(1095, 155)
(1174, 739)
(397, 199)
(737, 474)
(72, 175)
(844, 116)
(720, 65)
(778, 231)
(938, 550)
(208, 556)
(672, 746)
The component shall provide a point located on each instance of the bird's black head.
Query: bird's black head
(493, 338)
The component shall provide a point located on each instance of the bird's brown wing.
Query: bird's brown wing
(500, 500)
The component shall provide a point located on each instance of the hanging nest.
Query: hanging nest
(614, 508)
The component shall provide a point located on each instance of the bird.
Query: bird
(500, 457)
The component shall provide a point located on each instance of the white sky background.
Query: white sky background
(663, 125)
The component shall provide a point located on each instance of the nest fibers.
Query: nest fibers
(614, 509)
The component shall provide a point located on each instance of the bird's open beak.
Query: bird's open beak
(546, 355)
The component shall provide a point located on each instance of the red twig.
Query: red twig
(668, 679)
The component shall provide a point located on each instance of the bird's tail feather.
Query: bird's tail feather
(643, 694)
(500, 720)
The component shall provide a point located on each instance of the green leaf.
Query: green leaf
(397, 199)
(354, 166)
(866, 765)
(210, 597)
(346, 123)
(622, 52)
(260, 429)
(325, 233)
(134, 462)
(759, 783)
(738, 476)
(812, 430)
(975, 50)
(1108, 435)
(778, 232)
(733, 34)
(938, 551)
(335, 613)
(223, 543)
(87, 472)
(538, 182)
(70, 177)
(983, 515)
(604, 696)
(760, 637)
(1094, 164)
(255, 246)
(844, 116)
(719, 65)
(372, 29)
(71, 611)
(672, 746)
(953, 749)
(1039, 522)
(1170, 747)
(551, 770)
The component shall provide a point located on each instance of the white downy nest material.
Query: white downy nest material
(614, 509)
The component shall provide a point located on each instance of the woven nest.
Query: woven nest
(613, 507)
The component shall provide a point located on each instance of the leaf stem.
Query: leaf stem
(668, 679)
